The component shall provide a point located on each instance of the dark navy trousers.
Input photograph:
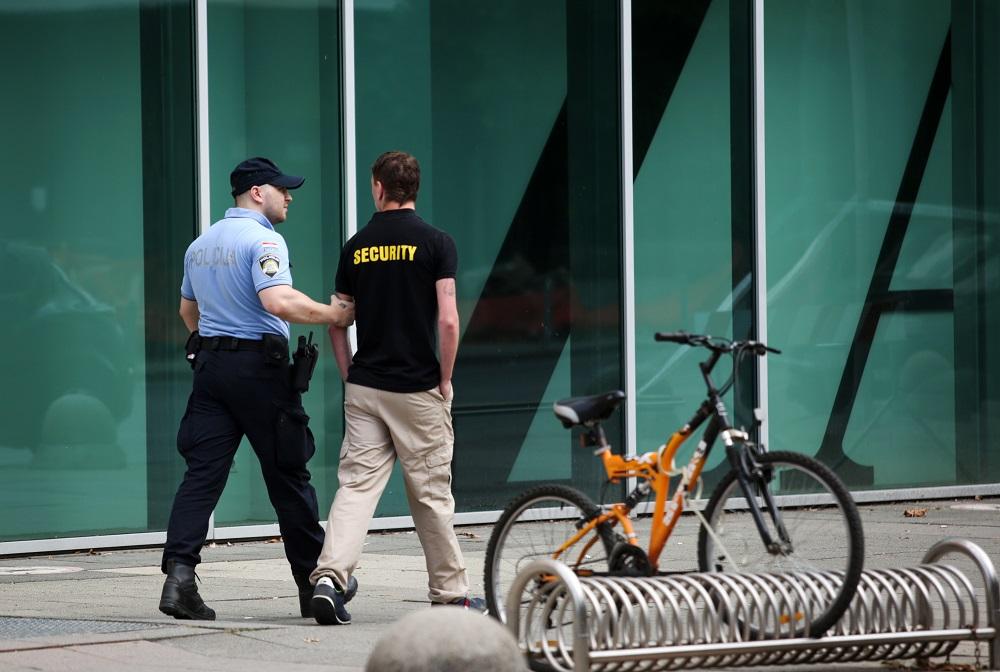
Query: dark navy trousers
(237, 393)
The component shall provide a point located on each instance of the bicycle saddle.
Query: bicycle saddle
(586, 410)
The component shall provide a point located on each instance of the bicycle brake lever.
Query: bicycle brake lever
(761, 349)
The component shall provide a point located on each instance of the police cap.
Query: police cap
(257, 171)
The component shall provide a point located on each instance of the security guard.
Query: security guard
(237, 300)
(398, 394)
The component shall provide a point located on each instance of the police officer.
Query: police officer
(237, 300)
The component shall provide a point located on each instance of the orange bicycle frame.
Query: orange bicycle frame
(656, 469)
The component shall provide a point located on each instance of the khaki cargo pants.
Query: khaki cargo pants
(380, 427)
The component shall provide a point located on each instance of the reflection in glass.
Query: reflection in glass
(684, 240)
(517, 169)
(76, 440)
(274, 91)
(877, 279)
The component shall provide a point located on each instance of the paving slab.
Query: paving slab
(98, 610)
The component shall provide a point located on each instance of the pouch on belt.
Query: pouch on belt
(192, 346)
(275, 349)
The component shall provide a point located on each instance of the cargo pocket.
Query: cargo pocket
(345, 471)
(295, 443)
(439, 469)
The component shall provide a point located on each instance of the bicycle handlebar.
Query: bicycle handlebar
(714, 343)
(672, 336)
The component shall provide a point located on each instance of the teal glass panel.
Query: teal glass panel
(522, 172)
(686, 252)
(975, 192)
(913, 448)
(96, 122)
(274, 91)
(878, 276)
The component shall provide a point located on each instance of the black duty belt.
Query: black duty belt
(230, 343)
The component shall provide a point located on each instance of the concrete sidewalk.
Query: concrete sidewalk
(98, 611)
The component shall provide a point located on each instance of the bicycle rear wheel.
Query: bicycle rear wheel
(534, 526)
(823, 526)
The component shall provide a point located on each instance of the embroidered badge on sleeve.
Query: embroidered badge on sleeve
(269, 265)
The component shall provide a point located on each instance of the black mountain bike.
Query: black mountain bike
(772, 512)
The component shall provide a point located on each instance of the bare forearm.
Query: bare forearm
(341, 349)
(292, 305)
(300, 309)
(189, 314)
(191, 323)
(448, 348)
(447, 330)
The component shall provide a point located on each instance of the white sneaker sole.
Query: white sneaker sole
(325, 611)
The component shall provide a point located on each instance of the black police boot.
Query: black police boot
(180, 597)
(305, 594)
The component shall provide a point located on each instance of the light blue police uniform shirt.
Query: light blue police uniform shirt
(226, 266)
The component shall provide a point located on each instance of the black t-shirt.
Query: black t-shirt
(391, 268)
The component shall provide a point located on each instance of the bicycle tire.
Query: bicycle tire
(533, 526)
(823, 523)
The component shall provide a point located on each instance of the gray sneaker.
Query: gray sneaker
(328, 602)
(306, 591)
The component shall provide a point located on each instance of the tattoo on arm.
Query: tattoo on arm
(450, 289)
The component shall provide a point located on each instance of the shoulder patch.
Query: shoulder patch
(269, 265)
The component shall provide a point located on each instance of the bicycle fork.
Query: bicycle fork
(754, 482)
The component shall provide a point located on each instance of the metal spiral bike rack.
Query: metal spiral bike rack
(574, 624)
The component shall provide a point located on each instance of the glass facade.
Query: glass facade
(882, 167)
(692, 249)
(99, 147)
(517, 169)
(274, 91)
(881, 250)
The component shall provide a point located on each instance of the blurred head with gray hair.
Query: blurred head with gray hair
(446, 639)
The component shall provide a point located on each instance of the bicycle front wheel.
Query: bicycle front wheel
(537, 524)
(823, 532)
